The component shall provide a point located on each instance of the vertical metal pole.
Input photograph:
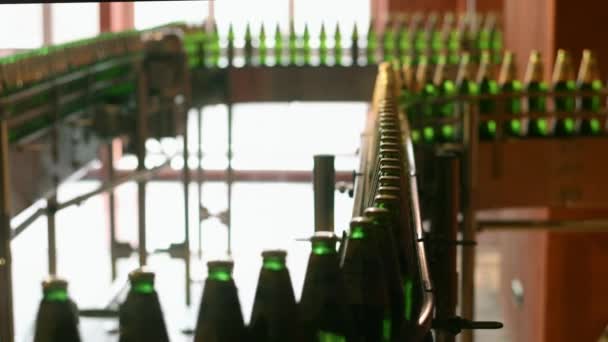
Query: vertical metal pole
(229, 179)
(467, 289)
(324, 184)
(186, 184)
(47, 24)
(112, 208)
(51, 203)
(142, 134)
(6, 281)
(199, 177)
(444, 230)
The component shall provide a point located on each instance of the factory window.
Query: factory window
(155, 13)
(74, 21)
(21, 26)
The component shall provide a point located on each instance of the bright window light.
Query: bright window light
(21, 26)
(74, 21)
(155, 13)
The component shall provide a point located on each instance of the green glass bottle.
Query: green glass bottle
(496, 40)
(367, 284)
(248, 48)
(426, 90)
(274, 317)
(405, 43)
(437, 42)
(262, 48)
(278, 46)
(230, 47)
(323, 306)
(140, 316)
(589, 80)
(454, 45)
(420, 40)
(306, 49)
(215, 47)
(563, 82)
(446, 89)
(292, 45)
(337, 46)
(534, 83)
(486, 78)
(220, 318)
(511, 87)
(389, 51)
(465, 80)
(372, 44)
(323, 46)
(57, 318)
(354, 47)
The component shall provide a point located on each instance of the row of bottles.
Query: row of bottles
(402, 36)
(426, 97)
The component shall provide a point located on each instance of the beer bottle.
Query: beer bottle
(486, 78)
(420, 39)
(372, 44)
(426, 91)
(337, 46)
(386, 234)
(405, 43)
(354, 47)
(141, 316)
(323, 306)
(465, 81)
(367, 285)
(230, 46)
(446, 89)
(563, 82)
(278, 46)
(323, 46)
(496, 41)
(306, 45)
(57, 319)
(293, 44)
(388, 42)
(248, 48)
(220, 318)
(534, 80)
(511, 87)
(275, 314)
(215, 46)
(437, 42)
(262, 48)
(589, 80)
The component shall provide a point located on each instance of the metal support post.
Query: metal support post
(6, 281)
(324, 184)
(142, 134)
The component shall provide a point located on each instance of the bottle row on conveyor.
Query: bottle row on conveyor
(436, 99)
(402, 36)
(374, 287)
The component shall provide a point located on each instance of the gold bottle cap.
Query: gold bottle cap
(562, 71)
(486, 67)
(534, 70)
(589, 70)
(508, 69)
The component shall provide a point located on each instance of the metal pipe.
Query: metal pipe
(51, 239)
(467, 290)
(112, 207)
(229, 179)
(142, 134)
(199, 177)
(186, 184)
(324, 185)
(6, 280)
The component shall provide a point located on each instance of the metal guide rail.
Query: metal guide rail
(387, 179)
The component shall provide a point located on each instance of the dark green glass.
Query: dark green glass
(337, 46)
(591, 104)
(488, 107)
(405, 42)
(248, 48)
(512, 106)
(372, 44)
(323, 46)
(565, 104)
(230, 46)
(140, 315)
(306, 49)
(537, 127)
(293, 45)
(354, 48)
(262, 48)
(278, 46)
(388, 45)
(57, 318)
